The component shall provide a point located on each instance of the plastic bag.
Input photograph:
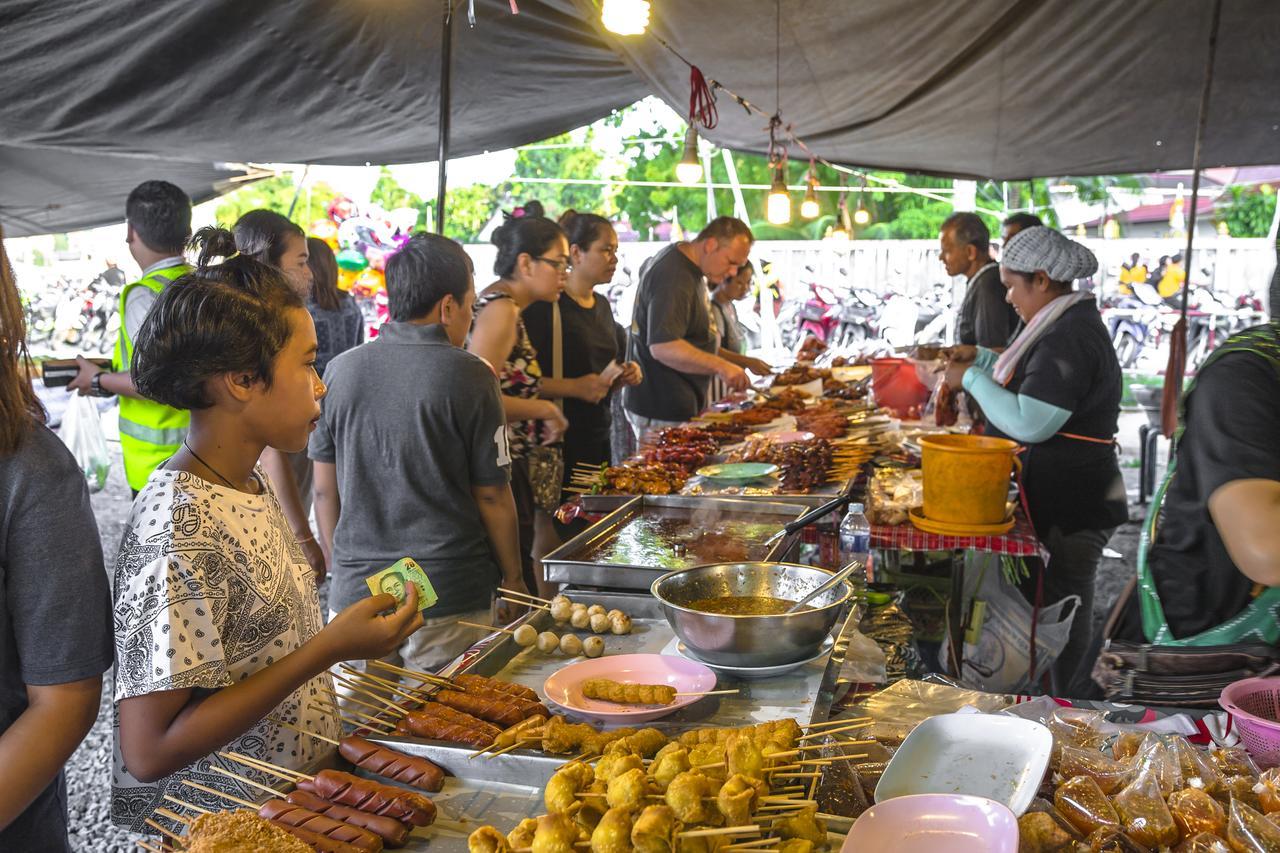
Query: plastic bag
(1103, 769)
(1233, 761)
(81, 432)
(1242, 788)
(1250, 832)
(1127, 744)
(1083, 804)
(1268, 790)
(1160, 761)
(1111, 840)
(999, 661)
(1197, 769)
(1196, 812)
(1205, 842)
(1146, 818)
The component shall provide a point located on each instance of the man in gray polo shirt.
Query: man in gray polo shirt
(411, 456)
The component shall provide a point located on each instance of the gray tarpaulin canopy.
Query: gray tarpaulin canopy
(98, 93)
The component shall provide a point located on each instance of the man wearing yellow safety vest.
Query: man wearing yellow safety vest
(158, 216)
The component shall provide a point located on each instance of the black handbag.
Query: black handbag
(1178, 676)
(546, 462)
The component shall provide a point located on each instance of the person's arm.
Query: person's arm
(685, 357)
(34, 749)
(493, 338)
(1016, 415)
(136, 307)
(497, 509)
(328, 506)
(590, 387)
(163, 732)
(279, 469)
(746, 362)
(1246, 513)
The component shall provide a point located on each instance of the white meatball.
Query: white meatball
(568, 602)
(561, 611)
(526, 635)
(599, 623)
(614, 614)
(548, 642)
(593, 647)
(571, 645)
(596, 608)
(580, 619)
(620, 625)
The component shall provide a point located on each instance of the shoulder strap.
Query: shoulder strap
(557, 349)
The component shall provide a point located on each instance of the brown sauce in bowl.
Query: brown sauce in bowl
(744, 605)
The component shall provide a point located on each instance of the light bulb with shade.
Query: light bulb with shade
(778, 207)
(809, 207)
(689, 169)
(861, 216)
(625, 17)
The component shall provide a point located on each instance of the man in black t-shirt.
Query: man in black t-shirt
(986, 319)
(671, 327)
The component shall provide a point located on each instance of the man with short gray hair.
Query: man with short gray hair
(986, 318)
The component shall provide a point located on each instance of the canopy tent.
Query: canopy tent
(96, 92)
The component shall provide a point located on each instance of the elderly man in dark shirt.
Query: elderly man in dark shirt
(986, 319)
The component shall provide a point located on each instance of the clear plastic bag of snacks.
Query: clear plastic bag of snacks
(1110, 774)
(1112, 840)
(1143, 812)
(1081, 802)
(1249, 831)
(1268, 790)
(1196, 812)
(1160, 761)
(892, 493)
(1242, 788)
(1205, 842)
(1233, 761)
(1197, 770)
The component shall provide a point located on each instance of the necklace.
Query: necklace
(206, 464)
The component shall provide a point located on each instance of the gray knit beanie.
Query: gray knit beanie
(1043, 248)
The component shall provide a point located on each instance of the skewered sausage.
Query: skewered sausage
(394, 833)
(486, 707)
(527, 707)
(453, 715)
(316, 840)
(370, 796)
(424, 725)
(608, 690)
(390, 764)
(466, 682)
(297, 817)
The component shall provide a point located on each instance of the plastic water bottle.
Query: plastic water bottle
(855, 540)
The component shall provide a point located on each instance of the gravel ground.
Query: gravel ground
(89, 770)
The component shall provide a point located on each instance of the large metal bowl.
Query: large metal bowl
(750, 640)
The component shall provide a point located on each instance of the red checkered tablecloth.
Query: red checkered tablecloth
(1021, 541)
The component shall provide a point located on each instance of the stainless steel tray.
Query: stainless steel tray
(571, 563)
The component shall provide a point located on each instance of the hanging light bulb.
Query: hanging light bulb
(689, 169)
(809, 207)
(861, 216)
(625, 17)
(778, 208)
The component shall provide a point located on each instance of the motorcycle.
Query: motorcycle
(818, 316)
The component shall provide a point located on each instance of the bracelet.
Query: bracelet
(305, 541)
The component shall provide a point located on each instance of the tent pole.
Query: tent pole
(442, 136)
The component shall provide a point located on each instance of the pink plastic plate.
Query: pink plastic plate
(930, 823)
(564, 688)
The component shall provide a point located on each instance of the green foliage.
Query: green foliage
(389, 195)
(467, 211)
(276, 193)
(1250, 211)
(38, 259)
(576, 159)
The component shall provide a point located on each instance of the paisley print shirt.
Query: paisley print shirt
(211, 587)
(520, 375)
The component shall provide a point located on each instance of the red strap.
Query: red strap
(1087, 438)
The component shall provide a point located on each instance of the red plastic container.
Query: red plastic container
(897, 387)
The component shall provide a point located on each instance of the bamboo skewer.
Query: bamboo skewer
(536, 598)
(186, 805)
(151, 823)
(369, 686)
(810, 775)
(173, 816)
(493, 629)
(245, 780)
(231, 798)
(411, 694)
(426, 677)
(353, 700)
(850, 727)
(378, 725)
(258, 764)
(303, 731)
(725, 692)
(525, 603)
(518, 744)
(363, 692)
(145, 846)
(751, 829)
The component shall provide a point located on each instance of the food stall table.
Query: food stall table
(1020, 542)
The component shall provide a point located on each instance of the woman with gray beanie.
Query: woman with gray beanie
(1056, 390)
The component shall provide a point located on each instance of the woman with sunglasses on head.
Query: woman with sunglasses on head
(532, 266)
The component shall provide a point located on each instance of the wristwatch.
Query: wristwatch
(95, 385)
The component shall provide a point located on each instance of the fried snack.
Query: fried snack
(1038, 832)
(495, 685)
(565, 784)
(555, 833)
(521, 837)
(655, 830)
(738, 799)
(804, 824)
(486, 839)
(1195, 811)
(644, 743)
(628, 790)
(597, 743)
(519, 732)
(613, 833)
(219, 832)
(744, 757)
(608, 690)
(561, 738)
(617, 763)
(701, 844)
(796, 845)
(671, 761)
(686, 795)
(1082, 803)
(708, 753)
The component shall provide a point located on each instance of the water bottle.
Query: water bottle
(855, 540)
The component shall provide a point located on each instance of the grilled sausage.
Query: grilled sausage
(367, 795)
(504, 713)
(393, 833)
(390, 764)
(435, 709)
(318, 841)
(423, 725)
(298, 817)
(494, 685)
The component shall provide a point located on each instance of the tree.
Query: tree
(562, 156)
(389, 195)
(468, 210)
(1250, 211)
(276, 193)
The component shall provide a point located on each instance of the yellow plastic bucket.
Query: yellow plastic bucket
(966, 478)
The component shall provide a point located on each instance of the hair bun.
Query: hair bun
(533, 207)
(211, 242)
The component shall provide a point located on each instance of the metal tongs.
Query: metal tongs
(811, 516)
(837, 578)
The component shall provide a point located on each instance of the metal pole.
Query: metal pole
(442, 136)
(1195, 153)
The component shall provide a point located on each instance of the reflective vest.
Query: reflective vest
(150, 432)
